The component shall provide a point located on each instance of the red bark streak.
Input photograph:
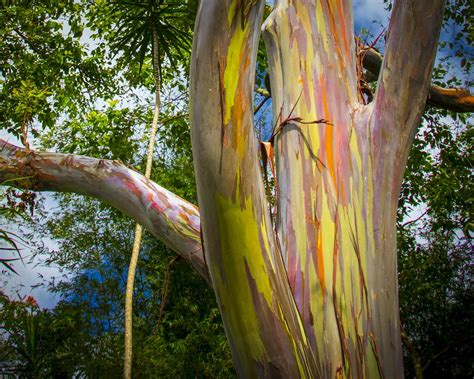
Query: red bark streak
(343, 27)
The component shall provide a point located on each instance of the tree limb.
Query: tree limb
(451, 99)
(168, 217)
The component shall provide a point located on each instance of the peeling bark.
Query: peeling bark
(326, 191)
(339, 180)
(247, 273)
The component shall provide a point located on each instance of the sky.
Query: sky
(31, 270)
(368, 13)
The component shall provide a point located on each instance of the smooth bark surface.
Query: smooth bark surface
(171, 219)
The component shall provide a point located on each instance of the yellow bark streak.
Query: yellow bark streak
(246, 262)
(233, 69)
(321, 22)
(239, 249)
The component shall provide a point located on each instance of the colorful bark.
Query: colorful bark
(337, 196)
(259, 314)
(168, 217)
(325, 192)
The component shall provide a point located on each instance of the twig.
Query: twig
(260, 105)
(416, 219)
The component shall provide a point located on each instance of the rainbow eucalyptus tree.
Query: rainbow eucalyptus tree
(311, 291)
(316, 295)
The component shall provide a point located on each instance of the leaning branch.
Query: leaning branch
(451, 99)
(168, 217)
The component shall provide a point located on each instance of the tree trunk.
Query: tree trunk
(132, 267)
(259, 313)
(339, 171)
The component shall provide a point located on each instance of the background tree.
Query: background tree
(164, 26)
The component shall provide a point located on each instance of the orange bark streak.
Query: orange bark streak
(184, 216)
(332, 24)
(320, 264)
(343, 27)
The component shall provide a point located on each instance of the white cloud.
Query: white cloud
(367, 11)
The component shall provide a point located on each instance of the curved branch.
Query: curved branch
(168, 217)
(451, 99)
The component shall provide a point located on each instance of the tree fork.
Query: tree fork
(319, 297)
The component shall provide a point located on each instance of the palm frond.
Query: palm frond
(137, 20)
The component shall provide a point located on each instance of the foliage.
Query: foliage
(129, 27)
(14, 204)
(435, 247)
(185, 337)
(45, 70)
(33, 338)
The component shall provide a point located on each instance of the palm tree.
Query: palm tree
(166, 26)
